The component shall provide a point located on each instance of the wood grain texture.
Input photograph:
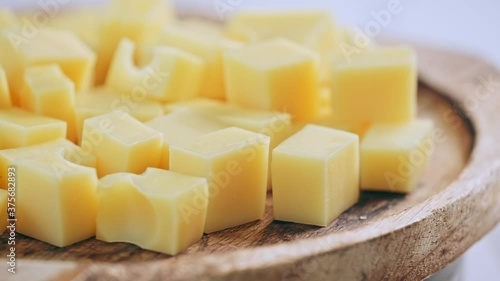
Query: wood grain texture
(402, 238)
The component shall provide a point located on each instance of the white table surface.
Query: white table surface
(467, 25)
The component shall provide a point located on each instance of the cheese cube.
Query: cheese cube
(5, 100)
(209, 47)
(4, 198)
(72, 20)
(121, 143)
(274, 75)
(193, 104)
(181, 127)
(56, 200)
(46, 47)
(395, 156)
(172, 74)
(23, 128)
(378, 86)
(49, 92)
(168, 214)
(314, 30)
(235, 163)
(276, 125)
(139, 20)
(315, 175)
(72, 153)
(102, 100)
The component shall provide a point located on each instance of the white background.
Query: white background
(467, 25)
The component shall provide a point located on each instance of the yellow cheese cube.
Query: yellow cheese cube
(274, 75)
(139, 20)
(395, 156)
(235, 163)
(276, 125)
(314, 30)
(4, 199)
(23, 128)
(172, 74)
(121, 143)
(315, 175)
(192, 104)
(72, 153)
(49, 92)
(378, 86)
(56, 200)
(181, 127)
(208, 46)
(82, 21)
(45, 47)
(168, 214)
(101, 101)
(5, 100)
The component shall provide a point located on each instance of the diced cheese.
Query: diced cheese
(47, 46)
(276, 125)
(49, 92)
(206, 45)
(72, 20)
(168, 214)
(181, 127)
(121, 143)
(102, 100)
(315, 175)
(274, 75)
(138, 20)
(23, 128)
(72, 153)
(235, 163)
(394, 157)
(377, 86)
(56, 200)
(171, 75)
(314, 30)
(5, 100)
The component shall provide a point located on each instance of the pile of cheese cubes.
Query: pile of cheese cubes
(146, 129)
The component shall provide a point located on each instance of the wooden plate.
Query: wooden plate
(384, 237)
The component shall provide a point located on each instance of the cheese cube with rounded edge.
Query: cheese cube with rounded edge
(181, 127)
(56, 200)
(121, 143)
(49, 92)
(377, 86)
(395, 156)
(315, 175)
(234, 161)
(47, 46)
(4, 198)
(5, 100)
(172, 74)
(168, 214)
(23, 128)
(72, 153)
(274, 75)
(139, 20)
(102, 100)
(314, 30)
(209, 46)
